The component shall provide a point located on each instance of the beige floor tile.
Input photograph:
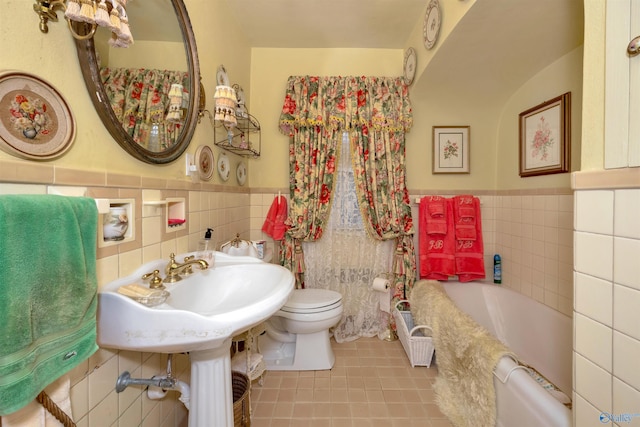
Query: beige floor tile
(372, 384)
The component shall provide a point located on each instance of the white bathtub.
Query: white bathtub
(540, 336)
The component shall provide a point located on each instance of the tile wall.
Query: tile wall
(511, 224)
(532, 230)
(607, 301)
(93, 397)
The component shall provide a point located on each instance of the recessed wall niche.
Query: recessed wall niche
(118, 225)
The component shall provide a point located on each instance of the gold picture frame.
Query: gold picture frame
(545, 137)
(35, 121)
(451, 149)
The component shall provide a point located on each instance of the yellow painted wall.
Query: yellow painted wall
(593, 106)
(263, 73)
(564, 75)
(53, 58)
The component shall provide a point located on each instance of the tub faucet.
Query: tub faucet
(173, 269)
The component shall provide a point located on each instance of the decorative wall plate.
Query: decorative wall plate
(241, 173)
(223, 167)
(221, 76)
(432, 21)
(410, 62)
(204, 162)
(35, 120)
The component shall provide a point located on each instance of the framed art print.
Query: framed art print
(35, 120)
(451, 149)
(545, 137)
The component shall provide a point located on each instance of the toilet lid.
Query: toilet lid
(306, 299)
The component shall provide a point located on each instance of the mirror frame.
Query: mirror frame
(91, 73)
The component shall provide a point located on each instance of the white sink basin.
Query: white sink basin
(204, 309)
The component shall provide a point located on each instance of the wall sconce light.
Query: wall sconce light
(104, 13)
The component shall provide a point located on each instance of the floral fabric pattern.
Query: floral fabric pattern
(139, 98)
(376, 111)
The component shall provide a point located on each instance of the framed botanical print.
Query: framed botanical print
(451, 149)
(545, 137)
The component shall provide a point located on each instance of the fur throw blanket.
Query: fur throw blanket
(466, 355)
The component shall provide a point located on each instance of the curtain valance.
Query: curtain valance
(345, 103)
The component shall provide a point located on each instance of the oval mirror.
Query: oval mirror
(130, 86)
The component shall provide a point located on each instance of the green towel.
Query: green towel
(48, 292)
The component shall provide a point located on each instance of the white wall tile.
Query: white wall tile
(593, 340)
(626, 354)
(594, 211)
(626, 401)
(626, 262)
(627, 209)
(592, 382)
(594, 254)
(594, 298)
(626, 304)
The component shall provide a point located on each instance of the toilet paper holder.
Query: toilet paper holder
(384, 285)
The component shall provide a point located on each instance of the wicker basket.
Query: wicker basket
(419, 348)
(241, 399)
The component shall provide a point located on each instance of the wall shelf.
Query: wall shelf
(243, 139)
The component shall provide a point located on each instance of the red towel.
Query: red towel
(436, 239)
(469, 251)
(277, 215)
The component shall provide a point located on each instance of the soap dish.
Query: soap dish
(156, 298)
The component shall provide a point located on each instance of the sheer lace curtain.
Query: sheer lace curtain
(345, 259)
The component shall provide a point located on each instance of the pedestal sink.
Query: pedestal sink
(201, 315)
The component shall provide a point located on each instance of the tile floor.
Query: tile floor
(371, 384)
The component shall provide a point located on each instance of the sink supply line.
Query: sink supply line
(165, 383)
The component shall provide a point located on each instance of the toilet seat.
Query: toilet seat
(307, 301)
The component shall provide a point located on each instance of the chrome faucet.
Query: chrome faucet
(173, 269)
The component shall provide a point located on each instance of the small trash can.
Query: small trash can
(241, 399)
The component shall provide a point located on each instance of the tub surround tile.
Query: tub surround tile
(625, 400)
(626, 354)
(593, 340)
(585, 414)
(627, 206)
(626, 268)
(594, 211)
(626, 302)
(592, 382)
(594, 254)
(594, 298)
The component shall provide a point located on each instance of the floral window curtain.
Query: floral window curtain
(139, 98)
(311, 114)
(379, 115)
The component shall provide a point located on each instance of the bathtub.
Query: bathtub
(540, 336)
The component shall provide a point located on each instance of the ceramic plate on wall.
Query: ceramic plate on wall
(241, 173)
(221, 76)
(204, 162)
(432, 20)
(35, 120)
(223, 167)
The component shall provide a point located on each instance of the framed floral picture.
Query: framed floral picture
(545, 137)
(35, 121)
(451, 149)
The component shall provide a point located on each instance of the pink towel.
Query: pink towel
(469, 252)
(435, 215)
(436, 244)
(274, 223)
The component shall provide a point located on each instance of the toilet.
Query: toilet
(297, 336)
